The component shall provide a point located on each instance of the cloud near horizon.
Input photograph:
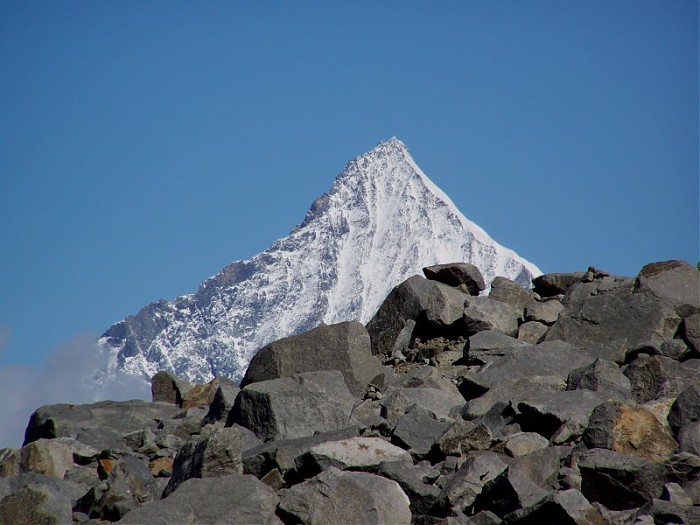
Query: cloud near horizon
(66, 376)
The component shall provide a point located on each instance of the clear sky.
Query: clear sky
(145, 145)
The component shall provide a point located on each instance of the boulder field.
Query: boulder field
(574, 402)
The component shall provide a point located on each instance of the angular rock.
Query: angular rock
(215, 455)
(489, 343)
(223, 401)
(462, 490)
(283, 454)
(542, 466)
(618, 480)
(418, 430)
(509, 391)
(551, 284)
(508, 491)
(546, 312)
(334, 496)
(167, 388)
(345, 347)
(416, 482)
(9, 463)
(357, 453)
(128, 486)
(461, 438)
(677, 282)
(484, 313)
(674, 493)
(397, 401)
(434, 303)
(524, 443)
(553, 413)
(686, 409)
(46, 456)
(690, 331)
(294, 406)
(97, 424)
(599, 286)
(161, 467)
(532, 332)
(232, 499)
(608, 325)
(600, 376)
(689, 438)
(626, 428)
(511, 293)
(568, 506)
(661, 511)
(33, 504)
(654, 377)
(203, 395)
(456, 274)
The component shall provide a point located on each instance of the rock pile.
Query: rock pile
(576, 402)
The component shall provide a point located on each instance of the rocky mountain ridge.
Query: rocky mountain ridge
(575, 402)
(382, 221)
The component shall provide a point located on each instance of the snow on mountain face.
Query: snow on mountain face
(382, 221)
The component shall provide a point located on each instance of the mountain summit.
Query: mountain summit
(382, 221)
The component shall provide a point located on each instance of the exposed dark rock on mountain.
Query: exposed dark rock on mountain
(436, 413)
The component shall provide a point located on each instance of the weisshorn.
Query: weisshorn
(382, 221)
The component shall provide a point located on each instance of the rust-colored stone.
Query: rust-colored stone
(161, 467)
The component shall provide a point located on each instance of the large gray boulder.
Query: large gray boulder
(233, 499)
(345, 347)
(619, 480)
(456, 274)
(627, 428)
(294, 406)
(608, 325)
(559, 416)
(282, 454)
(511, 293)
(397, 401)
(167, 388)
(216, 454)
(336, 496)
(223, 401)
(600, 376)
(685, 409)
(46, 456)
(462, 490)
(566, 506)
(677, 282)
(655, 377)
(96, 424)
(33, 504)
(356, 453)
(551, 284)
(416, 482)
(416, 299)
(484, 313)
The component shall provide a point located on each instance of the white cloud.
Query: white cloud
(66, 376)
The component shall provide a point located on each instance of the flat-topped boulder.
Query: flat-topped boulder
(96, 424)
(457, 274)
(345, 347)
(294, 406)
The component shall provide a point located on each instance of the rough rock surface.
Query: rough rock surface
(598, 423)
(336, 496)
(456, 274)
(345, 347)
(294, 406)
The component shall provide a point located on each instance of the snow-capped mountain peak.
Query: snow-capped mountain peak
(382, 221)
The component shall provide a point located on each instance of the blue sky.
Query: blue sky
(145, 145)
